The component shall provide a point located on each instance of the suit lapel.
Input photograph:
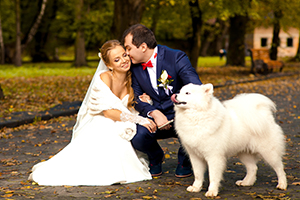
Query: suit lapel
(145, 78)
(159, 64)
(145, 81)
(159, 68)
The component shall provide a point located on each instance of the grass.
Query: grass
(29, 70)
(215, 61)
(40, 86)
(210, 61)
(46, 69)
(64, 68)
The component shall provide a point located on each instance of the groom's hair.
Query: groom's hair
(140, 34)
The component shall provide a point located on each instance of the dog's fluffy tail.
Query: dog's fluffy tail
(259, 102)
(255, 110)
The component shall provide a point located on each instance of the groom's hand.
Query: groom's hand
(160, 119)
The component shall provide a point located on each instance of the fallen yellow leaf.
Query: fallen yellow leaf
(296, 183)
(230, 171)
(147, 197)
(7, 195)
(67, 186)
(238, 163)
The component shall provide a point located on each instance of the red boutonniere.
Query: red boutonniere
(165, 81)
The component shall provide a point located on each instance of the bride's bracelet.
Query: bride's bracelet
(124, 117)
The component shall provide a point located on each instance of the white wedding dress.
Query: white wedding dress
(100, 152)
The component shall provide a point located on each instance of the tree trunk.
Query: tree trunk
(1, 93)
(155, 17)
(126, 14)
(36, 24)
(2, 56)
(196, 15)
(18, 55)
(220, 38)
(206, 43)
(38, 52)
(297, 57)
(236, 48)
(37, 49)
(275, 39)
(80, 59)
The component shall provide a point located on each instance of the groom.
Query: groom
(158, 71)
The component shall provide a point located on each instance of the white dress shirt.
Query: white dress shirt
(152, 70)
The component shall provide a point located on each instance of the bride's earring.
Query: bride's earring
(111, 70)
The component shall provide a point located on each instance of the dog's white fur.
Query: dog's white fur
(211, 131)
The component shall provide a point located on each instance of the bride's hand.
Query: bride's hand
(151, 126)
(145, 98)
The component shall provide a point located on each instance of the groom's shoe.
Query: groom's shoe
(155, 170)
(183, 171)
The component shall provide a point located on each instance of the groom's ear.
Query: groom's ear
(144, 47)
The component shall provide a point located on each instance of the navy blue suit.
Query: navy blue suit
(178, 66)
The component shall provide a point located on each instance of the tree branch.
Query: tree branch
(36, 24)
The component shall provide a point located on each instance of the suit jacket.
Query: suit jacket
(177, 65)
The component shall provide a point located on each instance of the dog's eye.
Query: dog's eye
(187, 93)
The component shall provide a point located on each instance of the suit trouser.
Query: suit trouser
(146, 142)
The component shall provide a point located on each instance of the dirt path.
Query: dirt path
(22, 147)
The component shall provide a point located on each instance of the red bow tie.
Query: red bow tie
(148, 64)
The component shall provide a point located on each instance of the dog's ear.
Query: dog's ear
(209, 88)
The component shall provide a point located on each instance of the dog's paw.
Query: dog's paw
(211, 193)
(239, 183)
(282, 186)
(243, 183)
(193, 189)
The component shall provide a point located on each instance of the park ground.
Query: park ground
(23, 146)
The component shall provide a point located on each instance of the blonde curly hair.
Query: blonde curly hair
(105, 52)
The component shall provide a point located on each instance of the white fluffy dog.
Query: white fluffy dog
(211, 131)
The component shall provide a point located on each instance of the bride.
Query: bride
(100, 152)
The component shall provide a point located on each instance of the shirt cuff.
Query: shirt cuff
(148, 114)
